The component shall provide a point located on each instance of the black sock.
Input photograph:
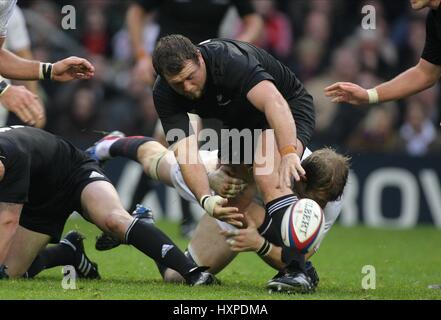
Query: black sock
(294, 260)
(128, 147)
(162, 268)
(154, 243)
(58, 255)
(187, 216)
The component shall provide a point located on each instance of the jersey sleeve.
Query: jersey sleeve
(432, 47)
(244, 7)
(6, 9)
(148, 5)
(15, 184)
(172, 112)
(18, 36)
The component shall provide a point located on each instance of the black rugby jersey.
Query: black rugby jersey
(432, 48)
(37, 164)
(233, 69)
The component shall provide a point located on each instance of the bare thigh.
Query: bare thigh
(102, 206)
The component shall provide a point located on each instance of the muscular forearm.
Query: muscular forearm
(30, 85)
(274, 258)
(16, 68)
(414, 80)
(192, 168)
(196, 179)
(281, 120)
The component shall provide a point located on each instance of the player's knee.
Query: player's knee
(117, 221)
(14, 272)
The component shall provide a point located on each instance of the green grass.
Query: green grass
(406, 262)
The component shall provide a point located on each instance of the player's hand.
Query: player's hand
(247, 239)
(72, 68)
(25, 104)
(222, 181)
(144, 71)
(347, 92)
(215, 207)
(290, 167)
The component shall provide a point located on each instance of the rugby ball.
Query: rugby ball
(303, 225)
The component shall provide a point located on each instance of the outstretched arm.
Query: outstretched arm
(16, 68)
(195, 176)
(266, 98)
(413, 80)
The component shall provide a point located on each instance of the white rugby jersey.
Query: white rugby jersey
(6, 8)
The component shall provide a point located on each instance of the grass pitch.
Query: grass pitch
(405, 262)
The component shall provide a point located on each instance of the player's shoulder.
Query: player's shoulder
(221, 48)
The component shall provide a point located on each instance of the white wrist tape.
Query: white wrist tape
(373, 96)
(209, 202)
(45, 71)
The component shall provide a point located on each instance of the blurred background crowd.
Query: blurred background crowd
(320, 40)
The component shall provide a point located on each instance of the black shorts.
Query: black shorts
(50, 217)
(303, 111)
(271, 230)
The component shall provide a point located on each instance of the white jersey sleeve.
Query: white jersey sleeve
(18, 36)
(6, 9)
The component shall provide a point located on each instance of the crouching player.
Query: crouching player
(327, 173)
(43, 179)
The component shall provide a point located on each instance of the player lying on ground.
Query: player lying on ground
(43, 179)
(328, 173)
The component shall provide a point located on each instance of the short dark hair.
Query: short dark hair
(326, 173)
(171, 53)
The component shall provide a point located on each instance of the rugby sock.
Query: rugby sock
(154, 243)
(294, 260)
(128, 147)
(187, 216)
(103, 146)
(58, 255)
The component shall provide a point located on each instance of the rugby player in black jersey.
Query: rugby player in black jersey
(43, 179)
(198, 20)
(247, 89)
(416, 79)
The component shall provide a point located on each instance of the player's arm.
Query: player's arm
(411, 81)
(136, 17)
(32, 86)
(9, 218)
(266, 98)
(195, 176)
(16, 68)
(249, 239)
(252, 28)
